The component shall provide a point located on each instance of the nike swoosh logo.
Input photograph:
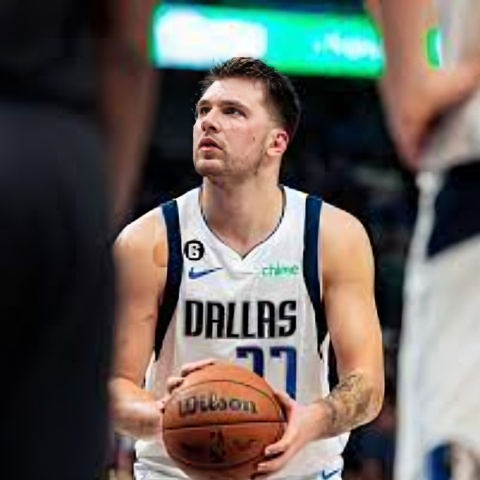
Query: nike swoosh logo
(327, 476)
(193, 275)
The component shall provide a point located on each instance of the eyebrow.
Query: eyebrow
(223, 103)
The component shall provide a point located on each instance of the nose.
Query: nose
(210, 122)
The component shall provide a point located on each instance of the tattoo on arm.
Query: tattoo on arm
(351, 404)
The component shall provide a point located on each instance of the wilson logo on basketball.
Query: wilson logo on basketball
(212, 403)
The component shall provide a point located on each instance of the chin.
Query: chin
(207, 168)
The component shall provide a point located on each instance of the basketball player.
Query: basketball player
(248, 271)
(73, 81)
(435, 118)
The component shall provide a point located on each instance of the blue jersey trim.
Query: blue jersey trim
(174, 273)
(313, 211)
(439, 463)
(310, 263)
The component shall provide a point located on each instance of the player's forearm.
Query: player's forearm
(404, 25)
(356, 400)
(134, 410)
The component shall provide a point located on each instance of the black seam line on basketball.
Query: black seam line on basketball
(244, 421)
(275, 404)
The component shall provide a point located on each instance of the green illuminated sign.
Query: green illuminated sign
(195, 37)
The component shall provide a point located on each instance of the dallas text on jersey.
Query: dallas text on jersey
(221, 320)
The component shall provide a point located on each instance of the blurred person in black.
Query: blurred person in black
(75, 104)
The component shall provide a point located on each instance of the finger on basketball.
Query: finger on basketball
(194, 366)
(274, 464)
(285, 401)
(162, 402)
(173, 383)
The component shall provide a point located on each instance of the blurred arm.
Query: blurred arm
(404, 24)
(128, 86)
(414, 94)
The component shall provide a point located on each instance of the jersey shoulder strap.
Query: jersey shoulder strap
(311, 272)
(174, 273)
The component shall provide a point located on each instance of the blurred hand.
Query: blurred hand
(414, 101)
(299, 432)
(174, 382)
(135, 412)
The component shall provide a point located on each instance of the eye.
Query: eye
(202, 111)
(233, 111)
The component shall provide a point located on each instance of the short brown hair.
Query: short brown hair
(281, 96)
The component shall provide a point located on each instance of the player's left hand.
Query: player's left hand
(174, 382)
(298, 433)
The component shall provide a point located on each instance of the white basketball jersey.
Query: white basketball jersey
(457, 139)
(262, 312)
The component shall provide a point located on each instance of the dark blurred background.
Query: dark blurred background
(344, 154)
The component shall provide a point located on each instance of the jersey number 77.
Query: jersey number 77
(288, 354)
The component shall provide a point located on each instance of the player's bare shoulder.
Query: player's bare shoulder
(343, 241)
(143, 245)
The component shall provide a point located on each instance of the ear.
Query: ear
(278, 142)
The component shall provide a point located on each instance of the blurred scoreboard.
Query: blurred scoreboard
(298, 43)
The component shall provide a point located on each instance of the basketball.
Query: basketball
(218, 423)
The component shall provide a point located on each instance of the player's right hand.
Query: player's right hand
(135, 412)
(174, 382)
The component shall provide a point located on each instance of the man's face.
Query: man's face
(231, 133)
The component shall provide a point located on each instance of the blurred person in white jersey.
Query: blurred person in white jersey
(248, 271)
(434, 116)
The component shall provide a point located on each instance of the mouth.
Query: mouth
(207, 144)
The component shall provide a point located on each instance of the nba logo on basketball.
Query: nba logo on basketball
(217, 447)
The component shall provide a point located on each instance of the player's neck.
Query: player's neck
(244, 215)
